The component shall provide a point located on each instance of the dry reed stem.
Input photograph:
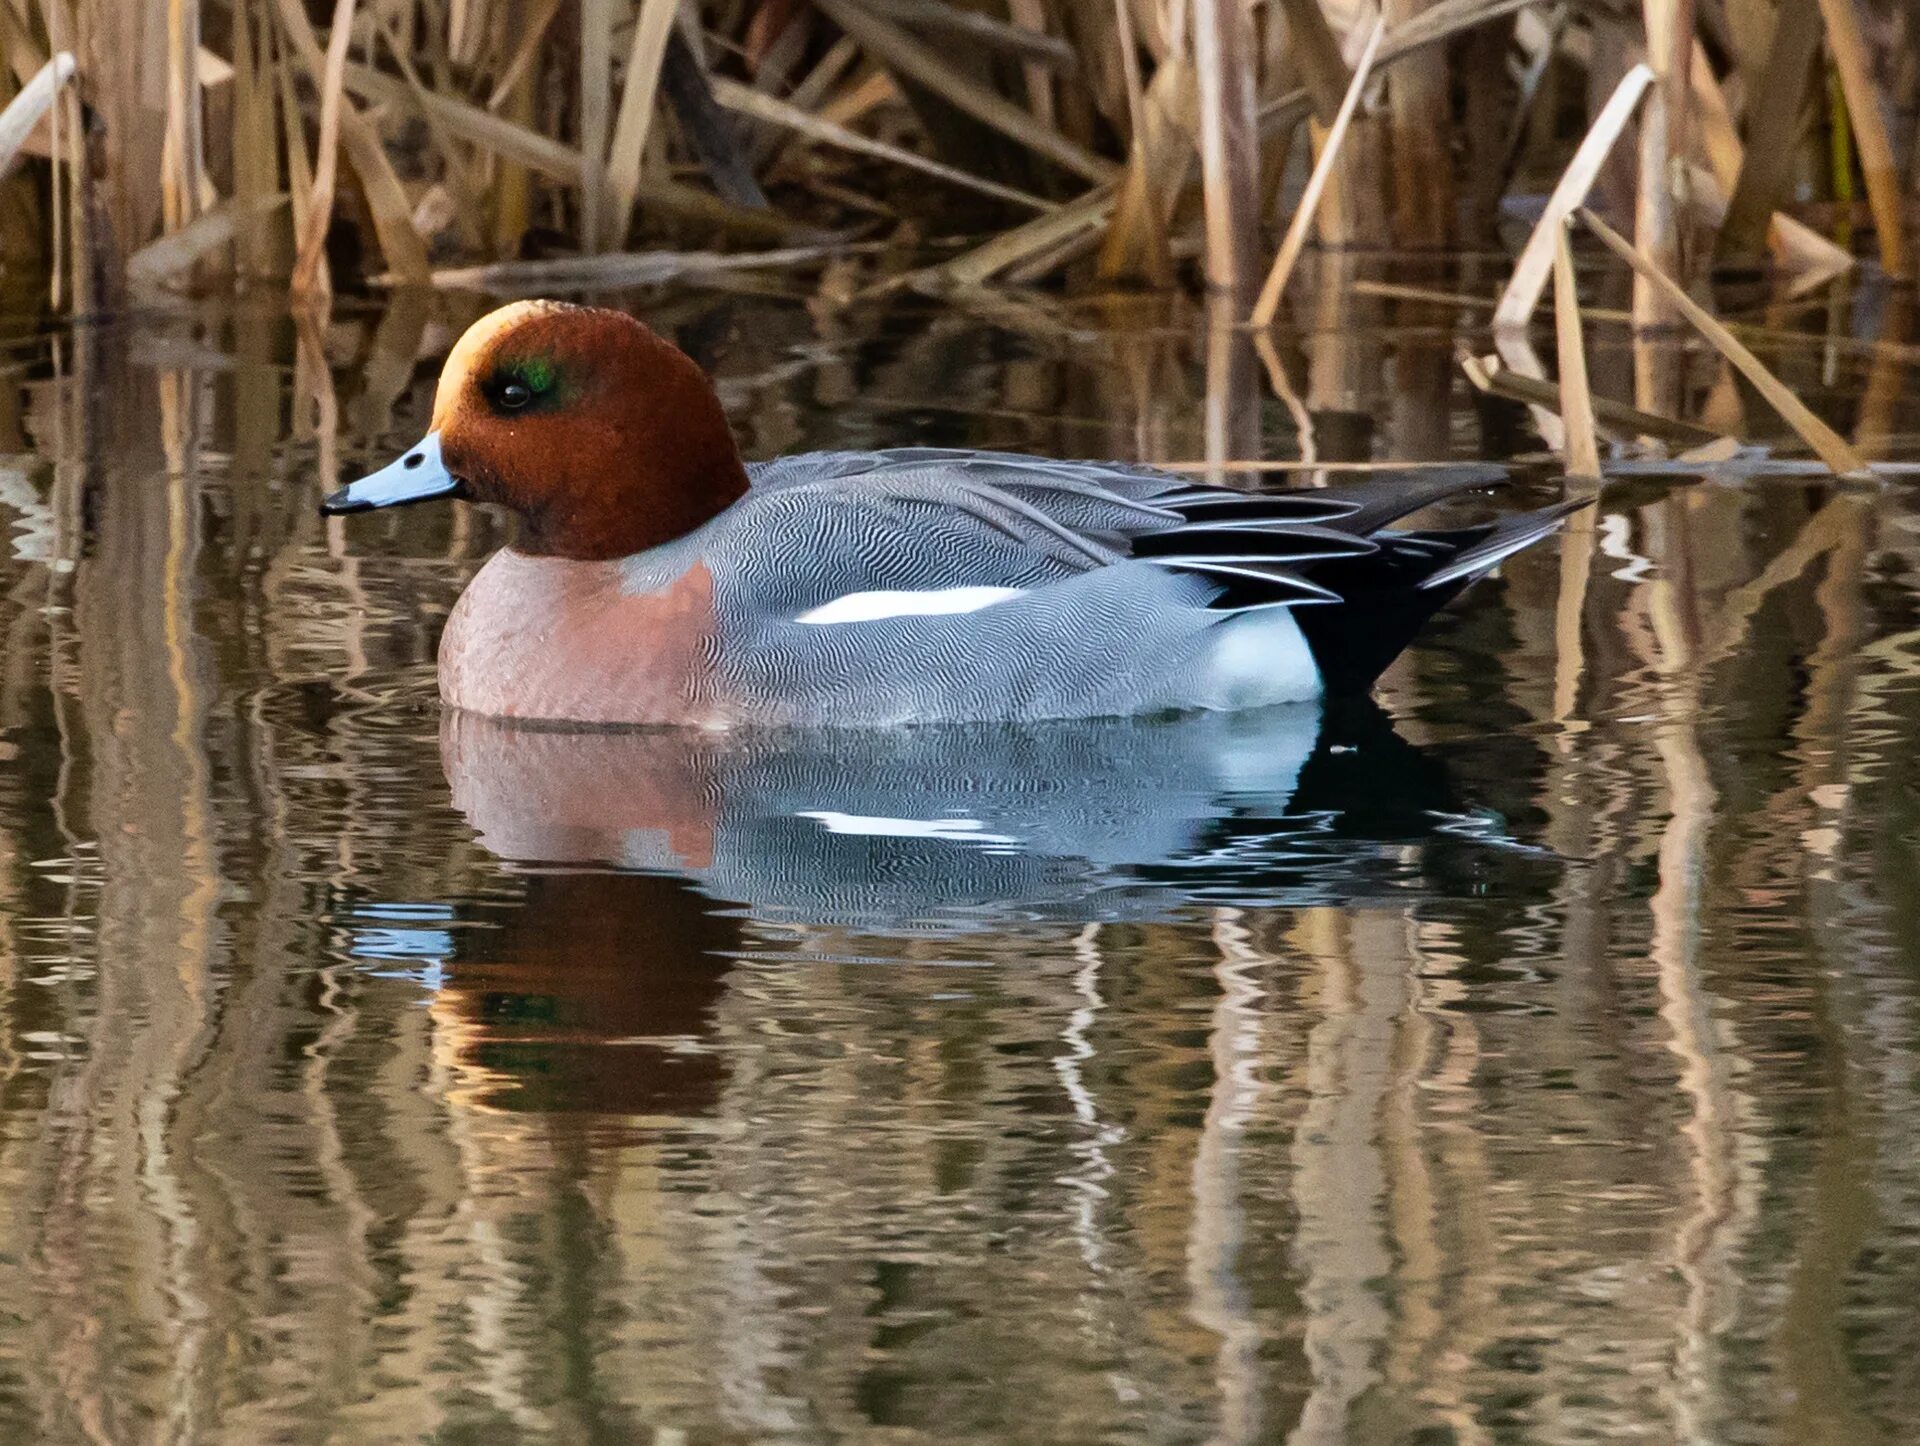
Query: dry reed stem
(299, 175)
(306, 280)
(1030, 17)
(35, 99)
(762, 107)
(550, 85)
(165, 258)
(596, 104)
(1719, 136)
(1828, 445)
(472, 124)
(638, 102)
(405, 252)
(1576, 397)
(1419, 117)
(1229, 152)
(524, 53)
(254, 143)
(1268, 305)
(386, 199)
(810, 92)
(621, 268)
(1093, 207)
(1018, 38)
(1870, 135)
(1669, 35)
(1535, 263)
(185, 190)
(1130, 68)
(1767, 166)
(453, 164)
(1085, 213)
(1794, 244)
(1317, 52)
(1500, 377)
(559, 161)
(1136, 244)
(901, 52)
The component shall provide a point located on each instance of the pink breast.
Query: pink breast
(564, 641)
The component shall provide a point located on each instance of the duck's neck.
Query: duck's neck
(676, 480)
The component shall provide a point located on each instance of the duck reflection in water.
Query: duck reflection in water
(650, 861)
(952, 826)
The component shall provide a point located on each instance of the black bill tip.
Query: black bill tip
(342, 502)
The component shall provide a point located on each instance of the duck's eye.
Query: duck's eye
(515, 395)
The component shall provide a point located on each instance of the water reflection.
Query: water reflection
(966, 827)
(1532, 1060)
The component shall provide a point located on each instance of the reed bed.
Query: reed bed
(302, 147)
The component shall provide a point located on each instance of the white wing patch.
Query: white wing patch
(867, 607)
(952, 830)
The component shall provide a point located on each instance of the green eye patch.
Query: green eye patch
(536, 374)
(544, 386)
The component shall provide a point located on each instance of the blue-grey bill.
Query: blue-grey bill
(417, 476)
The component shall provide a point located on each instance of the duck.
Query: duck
(658, 579)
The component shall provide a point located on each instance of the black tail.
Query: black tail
(1359, 588)
(1386, 596)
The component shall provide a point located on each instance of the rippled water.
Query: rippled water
(1536, 1057)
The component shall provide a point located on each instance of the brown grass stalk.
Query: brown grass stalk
(1663, 120)
(1767, 165)
(1493, 375)
(1535, 264)
(759, 106)
(1576, 397)
(405, 252)
(1229, 155)
(1317, 51)
(913, 60)
(523, 53)
(1877, 163)
(306, 279)
(1794, 244)
(185, 189)
(537, 124)
(1419, 118)
(1268, 305)
(27, 109)
(638, 102)
(1827, 444)
(596, 105)
(299, 172)
(560, 161)
(1136, 245)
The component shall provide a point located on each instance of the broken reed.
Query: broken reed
(213, 143)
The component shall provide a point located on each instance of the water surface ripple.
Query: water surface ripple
(1531, 1058)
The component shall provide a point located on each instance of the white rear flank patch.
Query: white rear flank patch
(867, 607)
(1258, 658)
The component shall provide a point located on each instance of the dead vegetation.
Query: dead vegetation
(303, 146)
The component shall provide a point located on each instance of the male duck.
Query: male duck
(657, 579)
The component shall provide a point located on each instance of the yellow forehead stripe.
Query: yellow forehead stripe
(472, 349)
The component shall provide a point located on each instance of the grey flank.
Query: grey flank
(1127, 578)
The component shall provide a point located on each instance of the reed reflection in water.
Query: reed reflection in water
(1533, 1060)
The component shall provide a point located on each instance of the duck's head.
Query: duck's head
(602, 437)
